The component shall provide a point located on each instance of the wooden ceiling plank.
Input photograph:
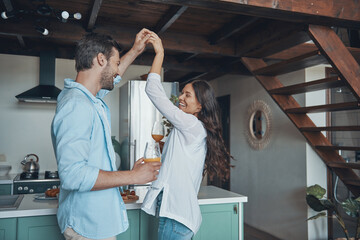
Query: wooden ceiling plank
(293, 39)
(229, 29)
(268, 33)
(344, 13)
(191, 76)
(186, 57)
(94, 13)
(73, 32)
(169, 18)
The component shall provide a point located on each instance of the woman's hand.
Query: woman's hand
(156, 42)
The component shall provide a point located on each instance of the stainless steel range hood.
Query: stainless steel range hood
(45, 92)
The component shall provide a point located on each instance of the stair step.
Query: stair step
(325, 108)
(300, 62)
(332, 128)
(345, 148)
(344, 165)
(325, 83)
(351, 182)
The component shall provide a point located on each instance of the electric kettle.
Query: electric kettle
(31, 163)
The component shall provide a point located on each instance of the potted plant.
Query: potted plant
(316, 200)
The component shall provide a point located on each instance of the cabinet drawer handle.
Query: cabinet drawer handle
(235, 209)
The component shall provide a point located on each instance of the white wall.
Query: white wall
(25, 127)
(316, 168)
(276, 177)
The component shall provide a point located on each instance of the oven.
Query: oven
(26, 183)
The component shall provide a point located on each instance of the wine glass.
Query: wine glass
(157, 131)
(152, 152)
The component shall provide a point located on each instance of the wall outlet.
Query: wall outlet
(2, 158)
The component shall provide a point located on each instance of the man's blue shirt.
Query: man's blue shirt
(81, 137)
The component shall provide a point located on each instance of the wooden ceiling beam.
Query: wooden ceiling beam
(94, 13)
(9, 7)
(73, 32)
(229, 29)
(169, 18)
(342, 13)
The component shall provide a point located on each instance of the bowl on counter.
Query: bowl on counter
(4, 170)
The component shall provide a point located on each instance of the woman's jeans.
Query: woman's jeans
(169, 229)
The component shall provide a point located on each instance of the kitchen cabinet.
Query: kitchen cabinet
(148, 226)
(8, 229)
(5, 189)
(219, 221)
(38, 228)
(132, 233)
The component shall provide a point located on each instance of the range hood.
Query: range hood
(45, 92)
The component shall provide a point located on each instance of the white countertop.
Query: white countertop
(31, 207)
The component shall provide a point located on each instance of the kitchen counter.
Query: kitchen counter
(31, 207)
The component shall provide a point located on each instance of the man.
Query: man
(90, 204)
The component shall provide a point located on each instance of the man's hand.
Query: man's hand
(145, 172)
(141, 40)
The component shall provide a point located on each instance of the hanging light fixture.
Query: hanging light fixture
(42, 11)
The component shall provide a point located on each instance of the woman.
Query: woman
(194, 142)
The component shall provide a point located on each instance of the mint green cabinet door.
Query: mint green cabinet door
(148, 226)
(132, 233)
(39, 228)
(5, 189)
(219, 221)
(8, 229)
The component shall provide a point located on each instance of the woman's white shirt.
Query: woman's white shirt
(182, 159)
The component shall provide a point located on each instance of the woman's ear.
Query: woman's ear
(199, 107)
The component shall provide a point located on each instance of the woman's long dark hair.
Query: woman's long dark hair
(217, 162)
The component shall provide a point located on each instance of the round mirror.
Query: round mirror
(259, 124)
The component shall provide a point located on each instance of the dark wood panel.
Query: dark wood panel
(331, 82)
(331, 128)
(344, 148)
(94, 13)
(345, 165)
(268, 32)
(325, 39)
(325, 108)
(352, 182)
(293, 38)
(293, 64)
(229, 29)
(341, 13)
(73, 32)
(169, 18)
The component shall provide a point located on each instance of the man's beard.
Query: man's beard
(107, 79)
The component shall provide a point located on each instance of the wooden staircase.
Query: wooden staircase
(329, 49)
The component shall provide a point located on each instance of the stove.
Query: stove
(27, 183)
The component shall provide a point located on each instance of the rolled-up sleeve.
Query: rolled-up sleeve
(72, 128)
